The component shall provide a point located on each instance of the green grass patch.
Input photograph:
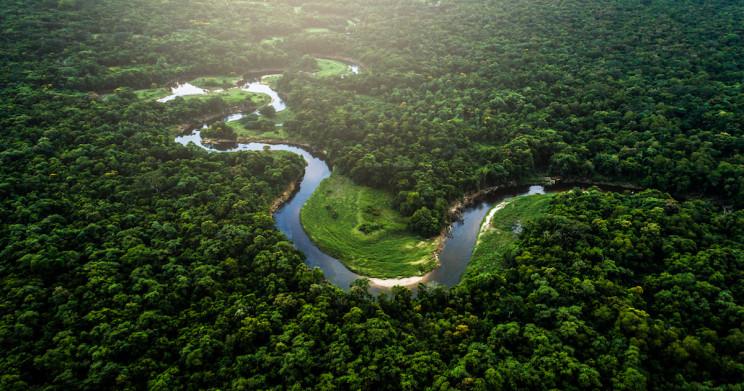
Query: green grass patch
(243, 132)
(282, 116)
(215, 82)
(271, 40)
(316, 30)
(359, 226)
(331, 68)
(274, 131)
(234, 96)
(152, 93)
(504, 229)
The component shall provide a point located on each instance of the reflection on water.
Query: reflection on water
(251, 85)
(459, 247)
(233, 117)
(183, 89)
(257, 86)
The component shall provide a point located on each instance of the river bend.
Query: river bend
(457, 249)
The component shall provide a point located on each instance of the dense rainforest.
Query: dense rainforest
(128, 261)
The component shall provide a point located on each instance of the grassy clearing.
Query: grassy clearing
(242, 132)
(152, 93)
(316, 30)
(282, 116)
(272, 40)
(215, 82)
(234, 96)
(261, 3)
(504, 230)
(277, 132)
(359, 226)
(331, 68)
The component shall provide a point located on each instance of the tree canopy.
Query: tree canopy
(128, 261)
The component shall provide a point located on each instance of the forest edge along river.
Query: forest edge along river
(454, 256)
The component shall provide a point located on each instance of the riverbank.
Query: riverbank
(500, 228)
(197, 122)
(292, 188)
(319, 153)
(391, 282)
(343, 59)
(486, 224)
(454, 212)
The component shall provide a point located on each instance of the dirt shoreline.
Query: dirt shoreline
(287, 195)
(454, 213)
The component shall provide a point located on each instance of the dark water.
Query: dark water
(288, 221)
(459, 247)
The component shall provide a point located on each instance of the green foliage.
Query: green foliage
(267, 111)
(220, 131)
(271, 80)
(123, 240)
(641, 252)
(253, 125)
(424, 222)
(534, 99)
(234, 97)
(129, 262)
(307, 64)
(215, 82)
(152, 94)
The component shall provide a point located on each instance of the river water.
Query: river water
(458, 247)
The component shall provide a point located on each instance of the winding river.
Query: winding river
(457, 249)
